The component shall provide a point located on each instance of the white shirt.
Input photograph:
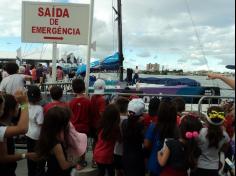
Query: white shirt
(118, 150)
(4, 74)
(12, 83)
(35, 121)
(2, 133)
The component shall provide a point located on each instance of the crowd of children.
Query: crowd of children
(127, 140)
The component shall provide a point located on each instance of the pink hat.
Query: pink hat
(77, 142)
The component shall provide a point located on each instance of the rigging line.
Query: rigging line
(40, 56)
(24, 54)
(198, 37)
(196, 32)
(35, 51)
(44, 50)
(28, 50)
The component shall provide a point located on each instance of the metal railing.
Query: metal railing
(146, 98)
(194, 101)
(209, 98)
(206, 99)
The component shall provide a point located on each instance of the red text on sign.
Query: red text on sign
(55, 30)
(53, 12)
(53, 21)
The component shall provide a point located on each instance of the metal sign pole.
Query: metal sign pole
(89, 46)
(54, 62)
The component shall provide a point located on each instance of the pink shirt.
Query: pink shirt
(59, 74)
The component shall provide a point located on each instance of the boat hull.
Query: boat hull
(173, 90)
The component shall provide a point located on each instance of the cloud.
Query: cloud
(151, 27)
(181, 60)
(144, 54)
(228, 60)
(200, 63)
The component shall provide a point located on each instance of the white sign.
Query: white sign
(61, 23)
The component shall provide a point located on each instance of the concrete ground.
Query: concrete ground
(21, 169)
(88, 171)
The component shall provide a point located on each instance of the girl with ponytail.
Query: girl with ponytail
(212, 140)
(179, 155)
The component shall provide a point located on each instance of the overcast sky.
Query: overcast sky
(156, 31)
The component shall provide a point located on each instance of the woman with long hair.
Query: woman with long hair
(53, 141)
(8, 156)
(166, 127)
(109, 133)
(179, 155)
(212, 140)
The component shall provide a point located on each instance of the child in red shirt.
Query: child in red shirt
(80, 106)
(98, 105)
(81, 109)
(151, 117)
(180, 107)
(56, 93)
(109, 133)
(98, 102)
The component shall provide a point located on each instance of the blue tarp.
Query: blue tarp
(95, 64)
(111, 62)
(82, 68)
(169, 81)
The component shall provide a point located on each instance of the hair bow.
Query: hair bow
(190, 135)
(215, 114)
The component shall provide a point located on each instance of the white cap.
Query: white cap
(137, 106)
(99, 87)
(21, 69)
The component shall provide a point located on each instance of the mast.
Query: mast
(120, 39)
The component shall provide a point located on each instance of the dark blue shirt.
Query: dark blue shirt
(153, 165)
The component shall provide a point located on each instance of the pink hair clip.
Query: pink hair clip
(195, 134)
(190, 135)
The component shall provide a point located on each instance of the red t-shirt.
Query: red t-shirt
(149, 119)
(169, 171)
(228, 124)
(103, 152)
(34, 74)
(98, 105)
(53, 104)
(178, 120)
(81, 109)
